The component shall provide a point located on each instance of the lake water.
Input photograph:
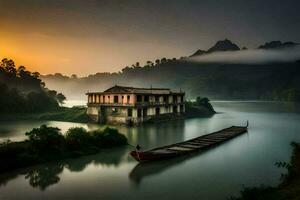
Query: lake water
(215, 174)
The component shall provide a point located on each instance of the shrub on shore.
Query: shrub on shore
(47, 143)
(46, 139)
(108, 137)
(78, 138)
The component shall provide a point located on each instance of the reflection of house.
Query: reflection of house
(129, 105)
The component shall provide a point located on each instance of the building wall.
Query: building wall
(99, 111)
(93, 113)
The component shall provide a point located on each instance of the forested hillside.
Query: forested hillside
(276, 80)
(23, 91)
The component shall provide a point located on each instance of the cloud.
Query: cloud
(253, 56)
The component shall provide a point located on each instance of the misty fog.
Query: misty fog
(251, 56)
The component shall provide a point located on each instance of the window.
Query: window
(116, 99)
(103, 99)
(157, 111)
(165, 99)
(174, 109)
(181, 108)
(129, 112)
(156, 98)
(128, 98)
(175, 99)
(139, 112)
(144, 112)
(146, 99)
(139, 98)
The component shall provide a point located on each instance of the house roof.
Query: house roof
(125, 89)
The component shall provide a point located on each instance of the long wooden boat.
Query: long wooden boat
(193, 145)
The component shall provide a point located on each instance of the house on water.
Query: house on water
(130, 105)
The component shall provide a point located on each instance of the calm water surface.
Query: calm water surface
(215, 174)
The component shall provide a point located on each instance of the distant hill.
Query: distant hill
(260, 81)
(277, 45)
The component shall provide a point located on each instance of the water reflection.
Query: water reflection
(157, 134)
(143, 170)
(45, 175)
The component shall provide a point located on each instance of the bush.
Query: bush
(78, 138)
(109, 137)
(46, 139)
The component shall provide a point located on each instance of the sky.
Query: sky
(89, 36)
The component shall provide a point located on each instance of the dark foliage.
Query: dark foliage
(200, 108)
(23, 91)
(46, 139)
(47, 144)
(78, 138)
(109, 137)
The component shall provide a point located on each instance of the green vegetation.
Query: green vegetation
(74, 114)
(47, 143)
(200, 108)
(288, 189)
(23, 91)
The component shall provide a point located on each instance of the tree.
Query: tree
(202, 101)
(157, 61)
(24, 91)
(149, 63)
(46, 139)
(35, 74)
(74, 76)
(60, 98)
(163, 60)
(8, 66)
(78, 138)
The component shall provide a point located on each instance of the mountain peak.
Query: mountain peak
(199, 52)
(224, 45)
(277, 45)
(221, 45)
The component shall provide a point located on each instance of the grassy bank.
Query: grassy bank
(46, 144)
(288, 189)
(74, 114)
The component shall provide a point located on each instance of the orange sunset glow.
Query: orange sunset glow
(85, 37)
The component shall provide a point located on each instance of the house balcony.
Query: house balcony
(111, 104)
(157, 103)
(141, 104)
